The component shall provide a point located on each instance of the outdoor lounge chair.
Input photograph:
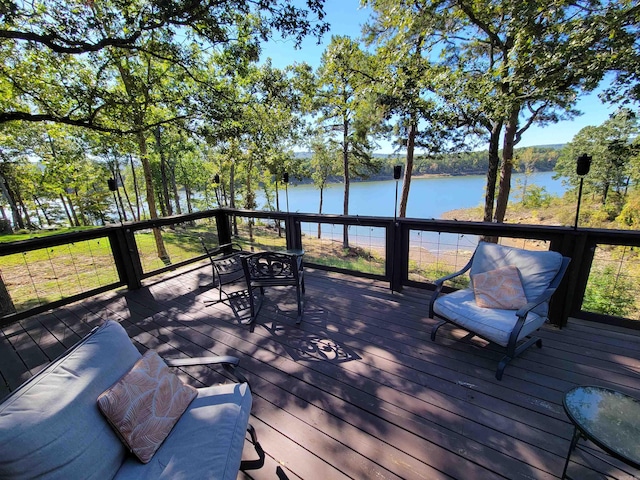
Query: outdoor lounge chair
(492, 307)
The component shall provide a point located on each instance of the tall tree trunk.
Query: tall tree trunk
(151, 200)
(39, 205)
(507, 165)
(81, 216)
(116, 175)
(187, 194)
(8, 195)
(250, 202)
(121, 202)
(72, 210)
(6, 304)
(126, 195)
(25, 212)
(164, 175)
(320, 209)
(278, 224)
(224, 196)
(136, 190)
(66, 210)
(174, 187)
(40, 222)
(408, 169)
(232, 195)
(492, 170)
(345, 164)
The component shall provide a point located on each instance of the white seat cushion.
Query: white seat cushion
(460, 307)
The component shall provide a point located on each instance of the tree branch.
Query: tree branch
(81, 122)
(78, 48)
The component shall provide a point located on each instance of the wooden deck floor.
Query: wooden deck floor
(359, 390)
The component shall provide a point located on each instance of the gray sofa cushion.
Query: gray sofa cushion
(206, 442)
(51, 426)
(493, 324)
(537, 268)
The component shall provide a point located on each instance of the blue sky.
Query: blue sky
(346, 17)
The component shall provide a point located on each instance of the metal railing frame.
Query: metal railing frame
(578, 244)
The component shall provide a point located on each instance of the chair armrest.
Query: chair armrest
(441, 280)
(546, 296)
(229, 364)
(439, 283)
(522, 316)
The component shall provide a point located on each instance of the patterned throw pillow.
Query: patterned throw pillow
(145, 404)
(499, 288)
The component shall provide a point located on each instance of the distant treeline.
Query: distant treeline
(539, 158)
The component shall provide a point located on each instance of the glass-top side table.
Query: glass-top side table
(608, 418)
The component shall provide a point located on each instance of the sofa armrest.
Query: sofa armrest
(229, 363)
(187, 362)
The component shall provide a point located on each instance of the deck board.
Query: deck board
(359, 390)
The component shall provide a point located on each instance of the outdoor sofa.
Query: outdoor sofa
(51, 426)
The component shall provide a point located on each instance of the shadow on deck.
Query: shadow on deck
(359, 390)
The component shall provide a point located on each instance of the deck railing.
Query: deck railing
(43, 273)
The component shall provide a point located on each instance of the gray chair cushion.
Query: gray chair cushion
(537, 268)
(206, 442)
(51, 427)
(491, 323)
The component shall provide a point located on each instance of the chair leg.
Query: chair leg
(434, 330)
(516, 351)
(251, 305)
(299, 305)
(501, 366)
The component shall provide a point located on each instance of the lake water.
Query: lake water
(428, 197)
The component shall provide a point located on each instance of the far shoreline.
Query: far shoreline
(308, 181)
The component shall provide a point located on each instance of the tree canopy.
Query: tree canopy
(165, 97)
(60, 59)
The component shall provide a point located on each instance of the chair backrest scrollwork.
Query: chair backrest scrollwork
(271, 265)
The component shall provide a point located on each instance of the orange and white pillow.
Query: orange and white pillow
(499, 288)
(145, 404)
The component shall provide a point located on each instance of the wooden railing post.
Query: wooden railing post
(584, 251)
(293, 232)
(223, 224)
(126, 256)
(395, 257)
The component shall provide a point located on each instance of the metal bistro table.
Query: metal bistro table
(608, 418)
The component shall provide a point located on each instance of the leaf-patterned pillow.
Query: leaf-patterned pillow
(499, 288)
(145, 404)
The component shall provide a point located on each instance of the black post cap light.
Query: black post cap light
(397, 172)
(583, 165)
(285, 177)
(112, 184)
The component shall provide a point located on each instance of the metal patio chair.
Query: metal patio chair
(512, 323)
(273, 269)
(227, 266)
